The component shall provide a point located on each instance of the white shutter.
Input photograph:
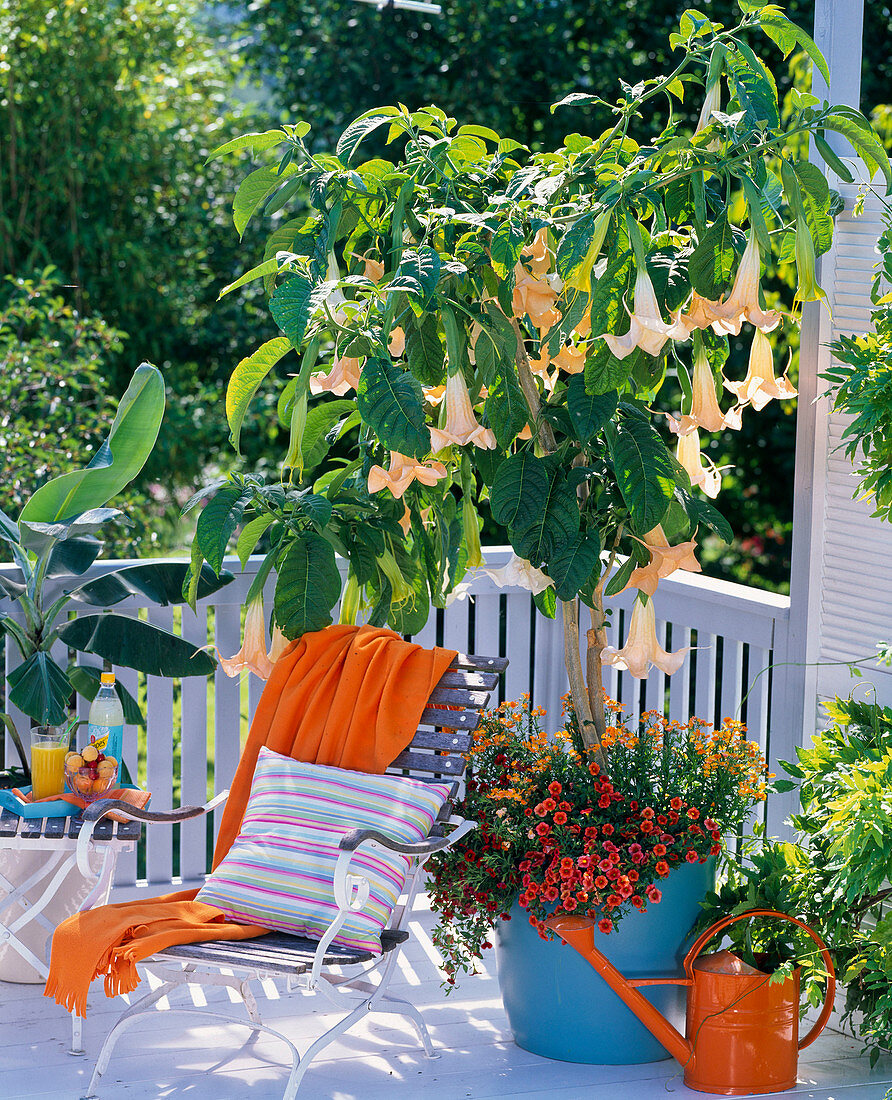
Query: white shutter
(856, 565)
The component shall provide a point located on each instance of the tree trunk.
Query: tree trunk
(591, 719)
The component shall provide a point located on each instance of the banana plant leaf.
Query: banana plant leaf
(12, 588)
(40, 689)
(136, 644)
(39, 537)
(119, 459)
(73, 557)
(161, 582)
(85, 681)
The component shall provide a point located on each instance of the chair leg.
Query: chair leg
(77, 1035)
(400, 1007)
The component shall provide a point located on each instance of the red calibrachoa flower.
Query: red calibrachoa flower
(594, 850)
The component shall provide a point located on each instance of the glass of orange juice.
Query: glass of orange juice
(49, 744)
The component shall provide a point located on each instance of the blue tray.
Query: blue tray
(37, 810)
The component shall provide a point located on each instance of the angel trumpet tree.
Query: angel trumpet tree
(508, 318)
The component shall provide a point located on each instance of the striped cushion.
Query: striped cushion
(279, 872)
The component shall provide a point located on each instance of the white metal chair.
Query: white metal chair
(435, 753)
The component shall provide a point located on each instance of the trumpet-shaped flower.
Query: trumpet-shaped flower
(518, 572)
(401, 472)
(278, 645)
(808, 289)
(342, 377)
(397, 343)
(701, 312)
(571, 359)
(742, 304)
(461, 427)
(252, 655)
(648, 330)
(664, 560)
(537, 253)
(534, 296)
(642, 648)
(705, 411)
(372, 269)
(760, 385)
(711, 103)
(705, 476)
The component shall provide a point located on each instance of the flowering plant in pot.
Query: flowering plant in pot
(556, 833)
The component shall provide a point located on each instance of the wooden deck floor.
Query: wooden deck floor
(184, 1058)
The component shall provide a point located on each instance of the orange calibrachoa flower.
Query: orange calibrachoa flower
(555, 833)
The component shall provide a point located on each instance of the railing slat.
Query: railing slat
(517, 645)
(159, 760)
(227, 731)
(193, 730)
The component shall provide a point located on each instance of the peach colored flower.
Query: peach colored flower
(648, 330)
(701, 312)
(705, 476)
(571, 359)
(434, 394)
(401, 472)
(373, 269)
(342, 377)
(705, 411)
(278, 645)
(642, 648)
(537, 253)
(664, 560)
(461, 427)
(519, 573)
(760, 385)
(252, 655)
(397, 343)
(535, 297)
(742, 304)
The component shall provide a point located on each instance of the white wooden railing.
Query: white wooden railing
(196, 727)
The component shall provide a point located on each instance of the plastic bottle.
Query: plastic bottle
(105, 726)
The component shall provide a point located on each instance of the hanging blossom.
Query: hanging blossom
(343, 377)
(648, 330)
(461, 427)
(278, 645)
(520, 573)
(534, 294)
(372, 269)
(642, 648)
(742, 304)
(760, 385)
(711, 103)
(397, 343)
(664, 560)
(705, 411)
(401, 472)
(252, 655)
(705, 476)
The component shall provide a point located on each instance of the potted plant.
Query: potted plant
(557, 834)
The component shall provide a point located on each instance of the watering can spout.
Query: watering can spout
(579, 933)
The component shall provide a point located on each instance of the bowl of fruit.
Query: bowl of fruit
(90, 774)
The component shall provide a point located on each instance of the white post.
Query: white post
(838, 31)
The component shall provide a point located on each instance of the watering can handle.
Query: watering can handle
(830, 991)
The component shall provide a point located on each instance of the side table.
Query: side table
(23, 904)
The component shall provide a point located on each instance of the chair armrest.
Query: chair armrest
(94, 813)
(352, 840)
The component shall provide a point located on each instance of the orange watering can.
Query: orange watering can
(742, 1031)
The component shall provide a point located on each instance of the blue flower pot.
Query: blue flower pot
(559, 1007)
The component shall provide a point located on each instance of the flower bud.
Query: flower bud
(808, 290)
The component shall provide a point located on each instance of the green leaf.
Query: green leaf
(254, 189)
(574, 245)
(519, 490)
(424, 350)
(293, 303)
(40, 689)
(218, 519)
(117, 462)
(605, 372)
(268, 267)
(713, 260)
(815, 198)
(609, 294)
(256, 142)
(702, 512)
(556, 523)
(9, 532)
(505, 249)
(307, 586)
(360, 129)
(506, 408)
(855, 128)
(73, 557)
(572, 563)
(620, 578)
(589, 412)
(788, 36)
(85, 681)
(250, 536)
(546, 602)
(246, 379)
(135, 644)
(320, 421)
(159, 582)
(643, 470)
(754, 86)
(832, 160)
(418, 275)
(390, 402)
(410, 616)
(39, 537)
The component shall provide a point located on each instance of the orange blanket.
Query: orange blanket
(346, 696)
